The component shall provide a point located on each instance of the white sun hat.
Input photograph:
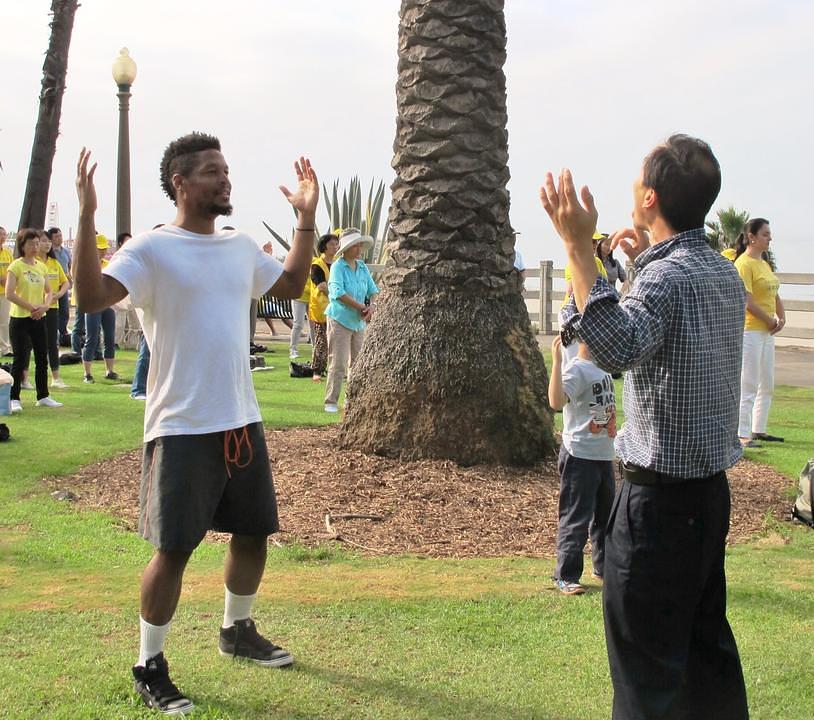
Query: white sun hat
(351, 237)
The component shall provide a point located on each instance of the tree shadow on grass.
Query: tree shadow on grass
(361, 691)
(421, 701)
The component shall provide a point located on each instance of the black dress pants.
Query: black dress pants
(23, 331)
(671, 651)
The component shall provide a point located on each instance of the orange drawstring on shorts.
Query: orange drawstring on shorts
(232, 445)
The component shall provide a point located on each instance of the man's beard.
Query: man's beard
(216, 209)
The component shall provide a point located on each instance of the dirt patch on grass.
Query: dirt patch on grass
(432, 508)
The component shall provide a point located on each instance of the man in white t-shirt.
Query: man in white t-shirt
(205, 461)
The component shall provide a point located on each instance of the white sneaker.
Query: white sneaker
(331, 407)
(26, 385)
(48, 402)
(16, 406)
(139, 396)
(293, 355)
(59, 383)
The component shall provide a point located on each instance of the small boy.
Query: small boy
(586, 396)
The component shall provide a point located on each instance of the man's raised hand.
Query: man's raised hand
(632, 241)
(85, 188)
(574, 223)
(306, 198)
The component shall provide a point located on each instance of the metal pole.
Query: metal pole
(123, 172)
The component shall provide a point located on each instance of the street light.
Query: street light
(124, 73)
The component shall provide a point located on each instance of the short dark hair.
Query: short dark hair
(51, 231)
(121, 238)
(180, 157)
(22, 237)
(324, 240)
(686, 177)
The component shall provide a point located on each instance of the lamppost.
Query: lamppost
(124, 73)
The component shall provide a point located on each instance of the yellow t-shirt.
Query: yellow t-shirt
(56, 276)
(600, 268)
(762, 284)
(319, 300)
(729, 254)
(31, 284)
(6, 259)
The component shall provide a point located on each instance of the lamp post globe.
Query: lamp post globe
(124, 75)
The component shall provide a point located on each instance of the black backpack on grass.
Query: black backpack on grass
(805, 496)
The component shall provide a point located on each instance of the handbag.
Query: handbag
(300, 370)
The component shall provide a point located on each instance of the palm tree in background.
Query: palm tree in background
(723, 232)
(54, 70)
(450, 368)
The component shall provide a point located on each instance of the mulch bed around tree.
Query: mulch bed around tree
(377, 506)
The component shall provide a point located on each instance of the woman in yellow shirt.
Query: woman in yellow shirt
(765, 317)
(59, 284)
(318, 303)
(30, 295)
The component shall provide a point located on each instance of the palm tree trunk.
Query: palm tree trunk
(35, 201)
(450, 368)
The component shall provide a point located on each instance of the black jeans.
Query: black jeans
(586, 496)
(671, 651)
(64, 314)
(23, 331)
(52, 337)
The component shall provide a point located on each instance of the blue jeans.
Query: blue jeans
(139, 386)
(106, 321)
(78, 332)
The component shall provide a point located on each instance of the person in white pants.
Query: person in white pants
(299, 308)
(765, 317)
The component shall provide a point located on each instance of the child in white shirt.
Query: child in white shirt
(586, 396)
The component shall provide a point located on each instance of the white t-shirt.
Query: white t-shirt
(192, 294)
(589, 416)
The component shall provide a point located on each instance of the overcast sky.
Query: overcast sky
(591, 84)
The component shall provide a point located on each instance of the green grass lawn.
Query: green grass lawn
(384, 638)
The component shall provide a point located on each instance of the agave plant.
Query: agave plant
(350, 213)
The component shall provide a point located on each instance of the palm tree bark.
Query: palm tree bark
(54, 70)
(450, 368)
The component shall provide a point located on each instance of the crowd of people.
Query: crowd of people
(35, 312)
(690, 324)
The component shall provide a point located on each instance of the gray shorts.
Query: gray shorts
(194, 483)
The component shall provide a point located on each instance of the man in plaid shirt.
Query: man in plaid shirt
(679, 334)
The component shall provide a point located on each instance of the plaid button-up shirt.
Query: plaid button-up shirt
(679, 334)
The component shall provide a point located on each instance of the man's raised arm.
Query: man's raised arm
(94, 291)
(298, 261)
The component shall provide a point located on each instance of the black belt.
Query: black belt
(642, 476)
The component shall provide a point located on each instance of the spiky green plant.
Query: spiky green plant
(347, 211)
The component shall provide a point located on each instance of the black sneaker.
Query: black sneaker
(111, 376)
(243, 641)
(89, 379)
(154, 686)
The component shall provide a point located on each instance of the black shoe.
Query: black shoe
(243, 641)
(111, 376)
(154, 686)
(765, 437)
(257, 349)
(89, 379)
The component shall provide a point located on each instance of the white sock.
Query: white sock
(152, 640)
(237, 607)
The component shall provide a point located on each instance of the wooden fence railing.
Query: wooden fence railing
(549, 300)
